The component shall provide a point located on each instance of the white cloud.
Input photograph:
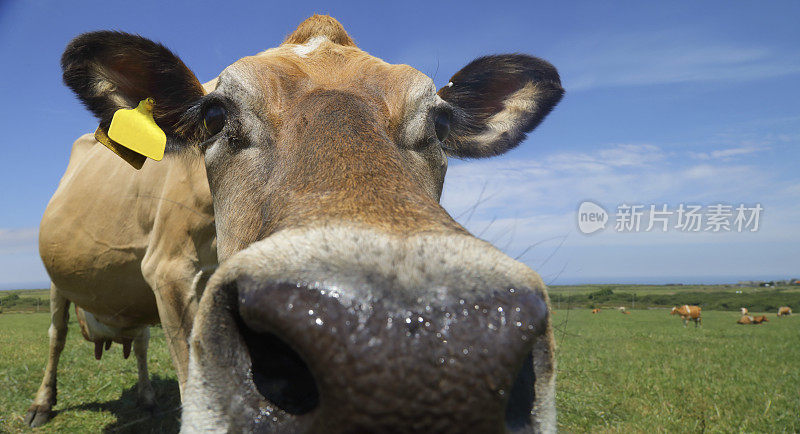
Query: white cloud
(19, 240)
(522, 203)
(20, 265)
(672, 56)
(728, 153)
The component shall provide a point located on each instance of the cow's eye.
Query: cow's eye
(214, 119)
(441, 123)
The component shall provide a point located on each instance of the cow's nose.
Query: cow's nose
(367, 357)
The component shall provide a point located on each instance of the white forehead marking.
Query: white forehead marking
(308, 47)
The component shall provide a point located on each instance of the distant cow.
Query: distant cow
(621, 309)
(744, 311)
(626, 312)
(595, 310)
(688, 313)
(784, 310)
(747, 319)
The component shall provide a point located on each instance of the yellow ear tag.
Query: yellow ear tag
(134, 159)
(136, 130)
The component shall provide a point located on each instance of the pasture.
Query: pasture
(617, 373)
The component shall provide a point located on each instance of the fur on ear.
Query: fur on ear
(112, 70)
(497, 100)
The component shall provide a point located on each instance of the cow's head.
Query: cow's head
(347, 299)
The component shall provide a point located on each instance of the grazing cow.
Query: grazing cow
(595, 310)
(347, 299)
(784, 311)
(760, 319)
(688, 313)
(744, 311)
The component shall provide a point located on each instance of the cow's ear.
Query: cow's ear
(497, 100)
(114, 70)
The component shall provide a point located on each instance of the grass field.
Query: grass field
(617, 373)
(645, 372)
(93, 396)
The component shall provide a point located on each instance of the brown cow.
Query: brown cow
(784, 311)
(688, 313)
(133, 248)
(596, 310)
(346, 292)
(747, 319)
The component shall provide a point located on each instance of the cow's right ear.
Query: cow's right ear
(115, 70)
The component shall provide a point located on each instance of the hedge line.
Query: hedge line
(720, 300)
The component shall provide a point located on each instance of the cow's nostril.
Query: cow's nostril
(279, 373)
(521, 397)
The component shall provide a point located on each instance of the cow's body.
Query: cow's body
(760, 319)
(687, 313)
(784, 311)
(596, 310)
(128, 247)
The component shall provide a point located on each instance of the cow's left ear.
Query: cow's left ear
(110, 71)
(497, 100)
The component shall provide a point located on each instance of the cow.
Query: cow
(131, 249)
(626, 312)
(596, 311)
(748, 319)
(743, 311)
(346, 298)
(688, 313)
(784, 311)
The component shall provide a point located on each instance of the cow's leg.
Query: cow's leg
(175, 288)
(40, 411)
(146, 395)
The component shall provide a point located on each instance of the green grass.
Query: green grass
(645, 372)
(617, 373)
(93, 396)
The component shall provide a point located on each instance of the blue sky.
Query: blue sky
(668, 103)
